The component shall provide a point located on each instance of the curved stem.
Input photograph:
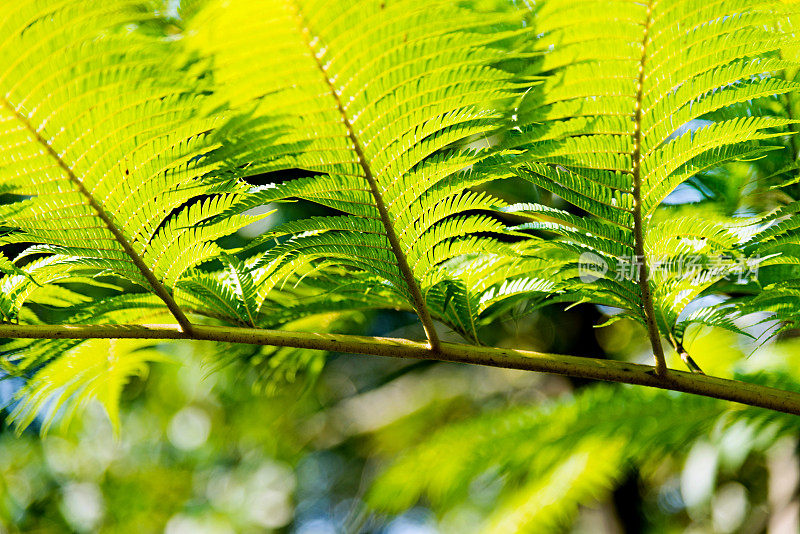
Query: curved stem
(592, 368)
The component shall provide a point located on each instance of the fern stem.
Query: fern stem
(137, 260)
(638, 230)
(402, 262)
(684, 355)
(591, 368)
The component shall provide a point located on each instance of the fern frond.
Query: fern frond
(638, 97)
(96, 369)
(551, 500)
(102, 139)
(378, 106)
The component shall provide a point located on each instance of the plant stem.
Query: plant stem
(591, 368)
(402, 263)
(638, 223)
(688, 360)
(138, 261)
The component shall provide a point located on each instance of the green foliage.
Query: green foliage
(134, 147)
(386, 102)
(546, 460)
(97, 369)
(102, 141)
(635, 99)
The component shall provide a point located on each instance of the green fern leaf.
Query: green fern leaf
(96, 369)
(101, 139)
(379, 107)
(638, 97)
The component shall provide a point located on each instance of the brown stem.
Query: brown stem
(591, 368)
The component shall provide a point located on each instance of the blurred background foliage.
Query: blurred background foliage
(379, 445)
(232, 439)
